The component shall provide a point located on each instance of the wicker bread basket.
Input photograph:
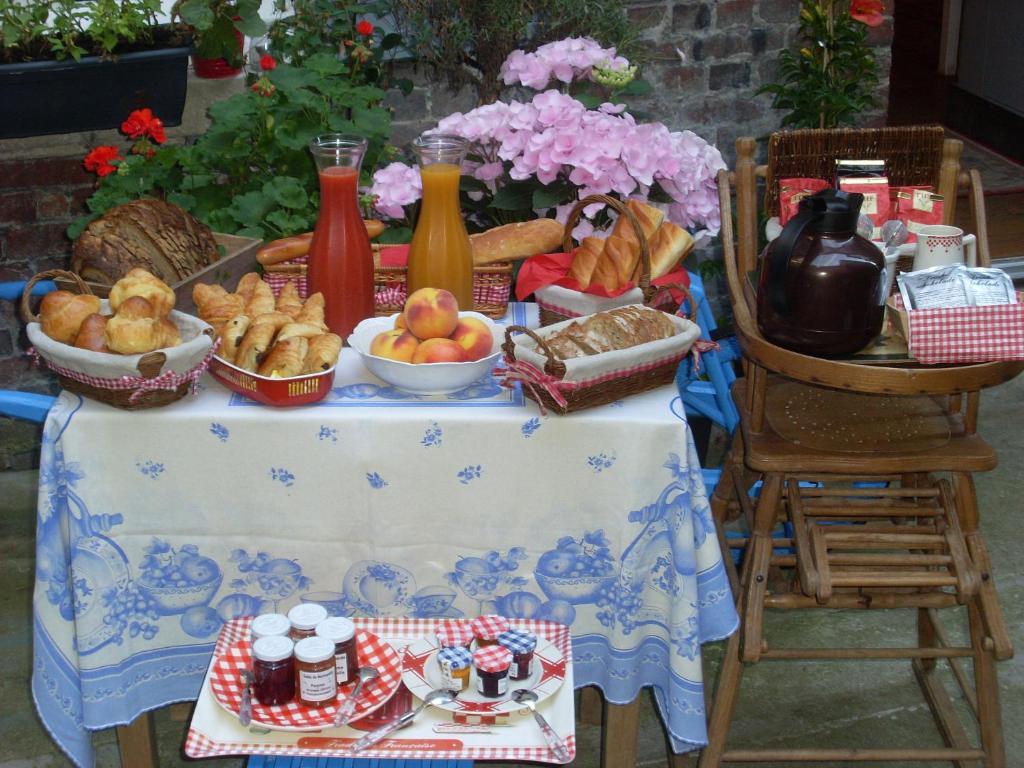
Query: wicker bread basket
(657, 296)
(492, 284)
(131, 382)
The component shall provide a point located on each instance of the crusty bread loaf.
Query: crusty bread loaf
(669, 246)
(516, 241)
(584, 261)
(606, 331)
(158, 236)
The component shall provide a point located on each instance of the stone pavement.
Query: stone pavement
(782, 704)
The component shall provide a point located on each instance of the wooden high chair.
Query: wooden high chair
(872, 465)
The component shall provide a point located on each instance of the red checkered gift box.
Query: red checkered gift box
(964, 334)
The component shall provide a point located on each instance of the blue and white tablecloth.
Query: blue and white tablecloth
(155, 527)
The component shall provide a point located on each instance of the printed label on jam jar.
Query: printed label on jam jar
(449, 679)
(318, 686)
(500, 682)
(341, 667)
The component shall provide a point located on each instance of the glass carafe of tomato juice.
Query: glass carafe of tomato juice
(340, 259)
(439, 256)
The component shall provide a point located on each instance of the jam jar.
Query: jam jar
(304, 617)
(341, 632)
(273, 670)
(522, 645)
(454, 633)
(487, 628)
(492, 663)
(455, 663)
(316, 680)
(270, 625)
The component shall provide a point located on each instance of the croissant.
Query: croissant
(305, 330)
(215, 305)
(288, 300)
(312, 311)
(139, 282)
(254, 346)
(231, 336)
(606, 331)
(247, 284)
(61, 314)
(90, 334)
(323, 353)
(286, 358)
(261, 301)
(136, 329)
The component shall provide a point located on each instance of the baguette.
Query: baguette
(516, 241)
(288, 248)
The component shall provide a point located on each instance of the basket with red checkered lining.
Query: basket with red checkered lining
(226, 684)
(961, 334)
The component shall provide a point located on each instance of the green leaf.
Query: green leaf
(251, 208)
(588, 100)
(256, 232)
(636, 87)
(405, 85)
(251, 25)
(555, 193)
(186, 201)
(395, 235)
(286, 191)
(513, 197)
(391, 40)
(198, 13)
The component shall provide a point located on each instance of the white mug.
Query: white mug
(938, 245)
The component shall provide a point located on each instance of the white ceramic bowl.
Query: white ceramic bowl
(423, 378)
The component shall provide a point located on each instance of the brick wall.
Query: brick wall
(706, 60)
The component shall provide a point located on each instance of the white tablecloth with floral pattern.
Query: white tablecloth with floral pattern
(157, 526)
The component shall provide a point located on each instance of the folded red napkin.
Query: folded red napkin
(394, 255)
(552, 268)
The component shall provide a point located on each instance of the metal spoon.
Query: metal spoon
(245, 707)
(348, 706)
(439, 696)
(529, 700)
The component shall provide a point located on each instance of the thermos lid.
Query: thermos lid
(837, 210)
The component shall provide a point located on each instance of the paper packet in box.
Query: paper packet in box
(792, 191)
(954, 285)
(916, 206)
(876, 199)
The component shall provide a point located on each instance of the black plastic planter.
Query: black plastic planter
(44, 97)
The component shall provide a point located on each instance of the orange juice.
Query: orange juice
(440, 256)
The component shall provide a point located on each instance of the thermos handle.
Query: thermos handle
(779, 254)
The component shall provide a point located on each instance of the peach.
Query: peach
(431, 313)
(439, 351)
(395, 344)
(473, 335)
(400, 321)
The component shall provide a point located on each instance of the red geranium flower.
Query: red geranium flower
(364, 28)
(867, 12)
(141, 123)
(267, 62)
(99, 160)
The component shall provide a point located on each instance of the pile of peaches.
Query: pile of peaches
(429, 330)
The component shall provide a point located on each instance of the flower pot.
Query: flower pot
(212, 69)
(44, 97)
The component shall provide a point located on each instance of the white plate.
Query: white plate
(422, 674)
(423, 378)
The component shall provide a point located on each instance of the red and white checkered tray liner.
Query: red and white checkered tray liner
(226, 685)
(214, 732)
(967, 334)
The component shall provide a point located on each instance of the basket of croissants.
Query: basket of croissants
(276, 350)
(597, 359)
(132, 350)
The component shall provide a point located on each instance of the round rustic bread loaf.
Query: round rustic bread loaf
(160, 237)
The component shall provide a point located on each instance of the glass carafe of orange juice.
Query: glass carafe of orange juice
(439, 256)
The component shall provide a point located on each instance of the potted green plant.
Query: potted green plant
(219, 28)
(69, 66)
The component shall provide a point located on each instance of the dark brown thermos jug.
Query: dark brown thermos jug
(821, 284)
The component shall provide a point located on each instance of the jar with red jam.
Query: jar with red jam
(316, 677)
(456, 663)
(522, 645)
(455, 633)
(273, 670)
(487, 628)
(341, 632)
(270, 625)
(304, 617)
(492, 663)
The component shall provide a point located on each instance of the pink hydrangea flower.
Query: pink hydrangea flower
(395, 186)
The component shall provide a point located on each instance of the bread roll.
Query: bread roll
(619, 328)
(670, 245)
(91, 334)
(61, 314)
(516, 241)
(231, 336)
(323, 353)
(285, 359)
(136, 329)
(139, 282)
(584, 260)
